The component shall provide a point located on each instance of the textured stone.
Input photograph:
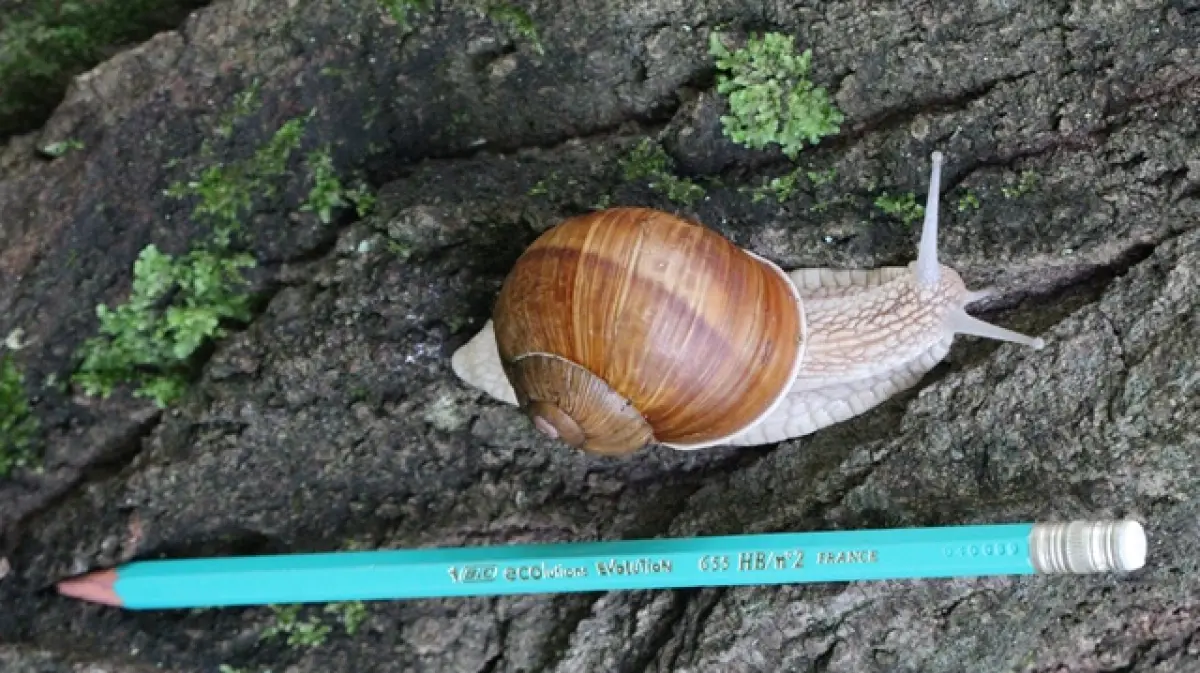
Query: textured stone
(333, 420)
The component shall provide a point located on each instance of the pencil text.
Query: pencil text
(642, 566)
(473, 573)
(850, 556)
(792, 559)
(541, 571)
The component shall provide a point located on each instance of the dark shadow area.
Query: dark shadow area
(45, 43)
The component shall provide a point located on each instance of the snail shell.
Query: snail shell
(630, 325)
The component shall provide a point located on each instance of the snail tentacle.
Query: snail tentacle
(928, 269)
(960, 322)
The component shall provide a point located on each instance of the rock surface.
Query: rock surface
(333, 419)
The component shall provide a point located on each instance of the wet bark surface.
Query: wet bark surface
(332, 420)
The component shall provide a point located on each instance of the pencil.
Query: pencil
(773, 558)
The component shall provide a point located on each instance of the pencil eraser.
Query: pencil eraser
(1131, 545)
(1088, 546)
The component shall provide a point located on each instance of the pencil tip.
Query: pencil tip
(95, 587)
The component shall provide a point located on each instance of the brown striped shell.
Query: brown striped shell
(629, 325)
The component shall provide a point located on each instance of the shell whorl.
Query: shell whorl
(631, 325)
(569, 403)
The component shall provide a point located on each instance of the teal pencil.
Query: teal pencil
(774, 558)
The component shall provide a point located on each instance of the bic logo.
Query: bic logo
(474, 573)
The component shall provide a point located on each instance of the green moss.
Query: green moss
(968, 200)
(61, 147)
(400, 11)
(649, 161)
(824, 177)
(351, 614)
(824, 205)
(401, 250)
(555, 186)
(781, 187)
(784, 186)
(308, 633)
(177, 304)
(362, 197)
(44, 43)
(313, 631)
(539, 189)
(19, 428)
(770, 96)
(326, 193)
(517, 21)
(244, 104)
(1027, 182)
(226, 192)
(903, 207)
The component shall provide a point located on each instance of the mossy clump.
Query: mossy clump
(1026, 184)
(225, 193)
(300, 633)
(517, 21)
(328, 193)
(903, 207)
(782, 187)
(19, 428)
(649, 161)
(313, 631)
(401, 11)
(771, 100)
(178, 303)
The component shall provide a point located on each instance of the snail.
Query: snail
(630, 326)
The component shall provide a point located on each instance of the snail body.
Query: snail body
(631, 326)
